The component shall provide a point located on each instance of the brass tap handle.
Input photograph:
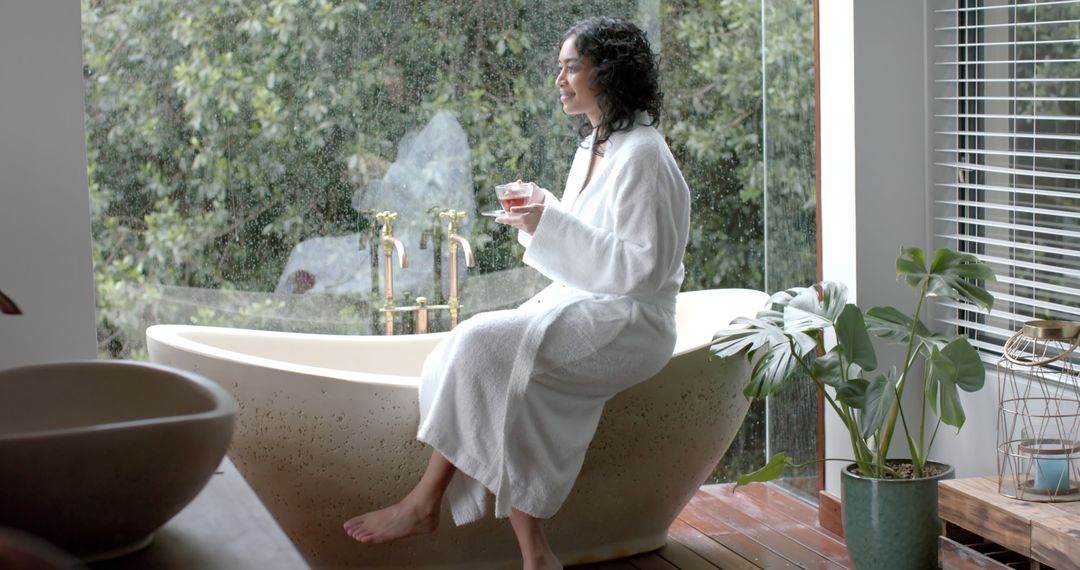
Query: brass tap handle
(453, 216)
(387, 218)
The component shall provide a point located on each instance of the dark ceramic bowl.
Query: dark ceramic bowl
(97, 455)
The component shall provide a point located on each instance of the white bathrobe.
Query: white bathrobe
(512, 398)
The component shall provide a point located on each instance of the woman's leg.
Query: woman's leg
(535, 551)
(417, 513)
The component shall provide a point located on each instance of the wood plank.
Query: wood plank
(796, 543)
(691, 549)
(769, 511)
(959, 534)
(621, 564)
(975, 504)
(713, 524)
(1068, 508)
(755, 541)
(830, 514)
(1055, 541)
(772, 497)
(791, 505)
(651, 561)
(955, 556)
(822, 543)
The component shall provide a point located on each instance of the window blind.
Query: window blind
(1006, 132)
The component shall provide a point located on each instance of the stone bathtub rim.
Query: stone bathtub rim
(174, 335)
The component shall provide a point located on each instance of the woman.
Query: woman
(510, 399)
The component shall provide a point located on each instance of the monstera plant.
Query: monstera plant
(814, 334)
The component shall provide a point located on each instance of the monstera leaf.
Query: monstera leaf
(757, 333)
(880, 395)
(826, 369)
(815, 307)
(774, 307)
(889, 323)
(773, 469)
(853, 392)
(957, 366)
(775, 365)
(852, 338)
(950, 275)
(785, 330)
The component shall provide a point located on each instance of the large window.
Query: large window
(1007, 141)
(239, 152)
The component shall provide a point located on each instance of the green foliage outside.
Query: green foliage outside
(221, 133)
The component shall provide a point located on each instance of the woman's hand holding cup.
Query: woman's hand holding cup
(524, 217)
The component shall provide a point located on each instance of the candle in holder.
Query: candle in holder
(1039, 413)
(1050, 463)
(1051, 472)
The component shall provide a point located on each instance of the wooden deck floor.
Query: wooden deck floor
(759, 526)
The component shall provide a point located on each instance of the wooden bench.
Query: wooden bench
(984, 529)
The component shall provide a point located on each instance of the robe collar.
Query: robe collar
(641, 119)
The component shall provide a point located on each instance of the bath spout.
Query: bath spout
(389, 245)
(470, 261)
(7, 306)
(456, 240)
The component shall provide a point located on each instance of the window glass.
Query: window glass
(239, 153)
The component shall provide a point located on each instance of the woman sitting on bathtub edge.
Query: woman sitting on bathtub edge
(510, 400)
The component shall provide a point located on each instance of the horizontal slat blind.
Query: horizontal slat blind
(1006, 122)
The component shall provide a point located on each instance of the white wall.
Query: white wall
(45, 256)
(875, 154)
(836, 54)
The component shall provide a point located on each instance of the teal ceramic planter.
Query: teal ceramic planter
(892, 524)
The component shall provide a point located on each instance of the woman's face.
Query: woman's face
(576, 92)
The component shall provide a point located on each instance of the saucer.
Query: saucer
(494, 213)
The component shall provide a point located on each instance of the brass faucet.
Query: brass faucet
(367, 241)
(7, 306)
(435, 236)
(456, 240)
(389, 244)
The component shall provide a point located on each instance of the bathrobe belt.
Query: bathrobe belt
(665, 302)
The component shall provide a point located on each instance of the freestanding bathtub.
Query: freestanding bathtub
(327, 425)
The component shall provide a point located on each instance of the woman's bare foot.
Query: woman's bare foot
(417, 513)
(536, 553)
(545, 561)
(396, 521)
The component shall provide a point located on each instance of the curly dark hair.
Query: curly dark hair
(627, 72)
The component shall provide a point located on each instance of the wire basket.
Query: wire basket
(1038, 437)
